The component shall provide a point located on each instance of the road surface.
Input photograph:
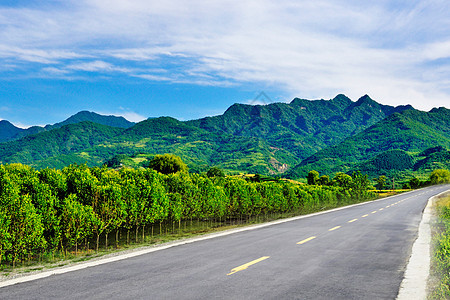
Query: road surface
(360, 252)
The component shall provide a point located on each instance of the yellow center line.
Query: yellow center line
(334, 228)
(306, 240)
(351, 221)
(374, 212)
(381, 209)
(245, 266)
(364, 216)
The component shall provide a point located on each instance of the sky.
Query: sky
(190, 59)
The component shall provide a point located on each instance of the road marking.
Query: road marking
(364, 216)
(245, 266)
(334, 228)
(381, 209)
(351, 221)
(374, 212)
(306, 240)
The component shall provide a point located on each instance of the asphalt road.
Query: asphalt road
(359, 252)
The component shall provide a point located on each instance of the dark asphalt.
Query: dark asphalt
(364, 259)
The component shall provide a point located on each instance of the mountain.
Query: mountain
(301, 127)
(288, 139)
(93, 117)
(67, 139)
(410, 130)
(9, 132)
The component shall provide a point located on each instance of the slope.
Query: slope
(301, 127)
(67, 139)
(411, 130)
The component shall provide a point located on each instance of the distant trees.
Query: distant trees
(215, 172)
(440, 176)
(381, 181)
(168, 164)
(313, 177)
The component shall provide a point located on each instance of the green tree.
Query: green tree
(342, 180)
(414, 183)
(381, 181)
(440, 176)
(324, 180)
(168, 164)
(78, 221)
(313, 177)
(215, 172)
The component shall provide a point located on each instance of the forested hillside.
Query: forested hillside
(412, 131)
(286, 139)
(9, 132)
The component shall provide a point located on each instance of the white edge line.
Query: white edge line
(414, 283)
(85, 265)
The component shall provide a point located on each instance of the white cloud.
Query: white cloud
(313, 49)
(127, 114)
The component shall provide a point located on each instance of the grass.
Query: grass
(440, 264)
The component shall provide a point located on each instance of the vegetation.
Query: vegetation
(264, 139)
(412, 141)
(60, 211)
(441, 252)
(168, 164)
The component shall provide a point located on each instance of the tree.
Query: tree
(168, 164)
(324, 180)
(381, 181)
(440, 176)
(414, 183)
(78, 221)
(342, 180)
(313, 177)
(215, 172)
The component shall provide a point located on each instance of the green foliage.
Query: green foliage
(440, 176)
(168, 164)
(381, 182)
(215, 172)
(62, 210)
(268, 140)
(313, 177)
(387, 146)
(343, 180)
(441, 255)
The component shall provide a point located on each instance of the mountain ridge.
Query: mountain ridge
(275, 139)
(10, 132)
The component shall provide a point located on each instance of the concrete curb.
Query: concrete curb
(414, 284)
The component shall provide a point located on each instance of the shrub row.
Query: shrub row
(55, 210)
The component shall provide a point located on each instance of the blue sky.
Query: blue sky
(189, 59)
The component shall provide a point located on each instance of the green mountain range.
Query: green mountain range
(9, 132)
(286, 139)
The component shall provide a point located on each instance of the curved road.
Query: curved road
(359, 252)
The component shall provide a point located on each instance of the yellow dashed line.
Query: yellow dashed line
(334, 228)
(245, 266)
(381, 209)
(306, 240)
(364, 216)
(374, 212)
(351, 221)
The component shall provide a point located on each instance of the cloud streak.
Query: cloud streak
(397, 53)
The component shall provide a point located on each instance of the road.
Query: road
(360, 252)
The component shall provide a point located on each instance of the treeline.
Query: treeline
(360, 182)
(52, 211)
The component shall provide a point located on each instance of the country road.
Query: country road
(360, 252)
